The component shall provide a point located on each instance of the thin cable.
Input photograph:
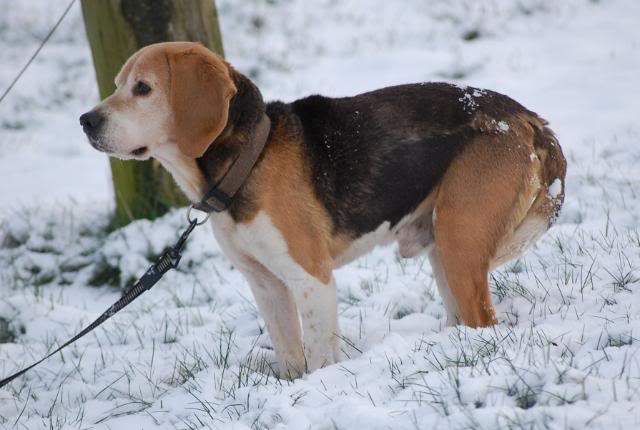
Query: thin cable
(35, 54)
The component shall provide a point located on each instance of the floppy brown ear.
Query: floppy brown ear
(201, 89)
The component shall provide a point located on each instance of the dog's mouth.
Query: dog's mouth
(99, 145)
(139, 152)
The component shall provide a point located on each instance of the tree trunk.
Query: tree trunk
(116, 29)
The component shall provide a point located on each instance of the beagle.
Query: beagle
(467, 176)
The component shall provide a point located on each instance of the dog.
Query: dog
(467, 176)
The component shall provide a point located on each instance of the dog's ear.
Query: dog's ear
(201, 89)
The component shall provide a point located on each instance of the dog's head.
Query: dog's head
(169, 96)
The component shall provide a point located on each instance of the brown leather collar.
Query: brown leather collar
(219, 198)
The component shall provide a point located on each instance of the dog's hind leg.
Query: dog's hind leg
(448, 299)
(482, 198)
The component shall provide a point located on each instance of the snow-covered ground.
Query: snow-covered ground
(193, 353)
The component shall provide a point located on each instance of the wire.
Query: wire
(35, 54)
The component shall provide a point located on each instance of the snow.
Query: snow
(555, 188)
(503, 126)
(468, 102)
(193, 352)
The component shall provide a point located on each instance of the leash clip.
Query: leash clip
(192, 220)
(171, 257)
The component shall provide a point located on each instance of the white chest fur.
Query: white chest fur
(262, 241)
(304, 302)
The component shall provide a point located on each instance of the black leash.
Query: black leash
(217, 199)
(167, 261)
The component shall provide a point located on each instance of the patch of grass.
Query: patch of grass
(44, 248)
(470, 35)
(622, 279)
(401, 312)
(105, 274)
(504, 286)
(15, 125)
(524, 396)
(43, 278)
(6, 334)
(620, 340)
(73, 265)
(11, 241)
(455, 74)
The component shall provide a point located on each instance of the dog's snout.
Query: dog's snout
(91, 122)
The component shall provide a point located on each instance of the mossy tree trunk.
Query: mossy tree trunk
(116, 29)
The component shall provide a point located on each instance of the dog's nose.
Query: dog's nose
(91, 122)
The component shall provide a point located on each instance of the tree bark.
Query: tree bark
(116, 29)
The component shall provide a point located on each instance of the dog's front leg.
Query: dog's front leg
(277, 307)
(318, 312)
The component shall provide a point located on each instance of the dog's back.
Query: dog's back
(376, 156)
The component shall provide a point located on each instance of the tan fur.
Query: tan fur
(535, 209)
(149, 64)
(125, 71)
(188, 106)
(285, 193)
(477, 221)
(200, 91)
(152, 63)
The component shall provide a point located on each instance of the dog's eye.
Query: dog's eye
(141, 89)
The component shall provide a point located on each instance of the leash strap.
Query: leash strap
(167, 261)
(217, 199)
